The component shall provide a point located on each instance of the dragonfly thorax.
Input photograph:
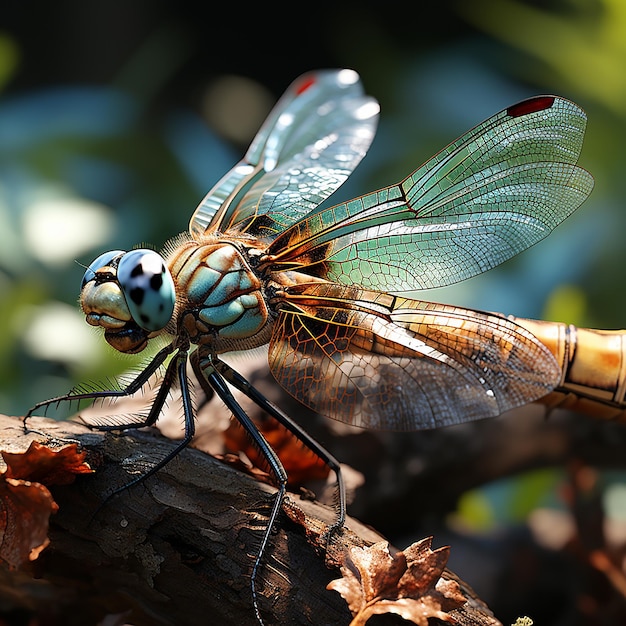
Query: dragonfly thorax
(222, 304)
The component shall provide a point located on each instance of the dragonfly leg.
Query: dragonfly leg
(208, 375)
(189, 424)
(171, 374)
(179, 366)
(176, 370)
(134, 386)
(239, 382)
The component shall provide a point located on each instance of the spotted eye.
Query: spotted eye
(101, 261)
(148, 288)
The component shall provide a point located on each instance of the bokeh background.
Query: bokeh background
(117, 117)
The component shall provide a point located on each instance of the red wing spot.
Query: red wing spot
(532, 105)
(305, 84)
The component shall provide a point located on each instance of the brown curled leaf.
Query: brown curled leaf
(25, 509)
(25, 502)
(46, 465)
(300, 463)
(407, 583)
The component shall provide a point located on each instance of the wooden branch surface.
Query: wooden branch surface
(179, 548)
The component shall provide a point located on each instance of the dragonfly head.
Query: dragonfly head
(130, 294)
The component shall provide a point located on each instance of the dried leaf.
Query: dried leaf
(407, 583)
(299, 462)
(47, 465)
(25, 508)
(25, 502)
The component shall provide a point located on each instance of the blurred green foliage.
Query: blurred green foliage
(508, 501)
(8, 58)
(583, 48)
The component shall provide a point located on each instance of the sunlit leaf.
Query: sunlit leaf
(46, 465)
(25, 502)
(407, 583)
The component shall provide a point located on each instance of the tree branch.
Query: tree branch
(180, 546)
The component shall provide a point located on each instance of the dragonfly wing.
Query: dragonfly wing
(380, 361)
(491, 194)
(311, 142)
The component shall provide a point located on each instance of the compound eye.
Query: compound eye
(101, 261)
(148, 288)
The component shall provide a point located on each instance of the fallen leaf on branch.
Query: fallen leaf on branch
(45, 465)
(407, 583)
(25, 502)
(25, 509)
(300, 463)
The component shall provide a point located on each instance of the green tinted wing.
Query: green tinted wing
(496, 191)
(315, 136)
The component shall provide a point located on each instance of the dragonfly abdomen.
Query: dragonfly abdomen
(593, 367)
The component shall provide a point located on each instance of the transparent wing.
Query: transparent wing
(379, 361)
(491, 194)
(315, 136)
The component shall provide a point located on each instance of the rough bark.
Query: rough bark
(178, 548)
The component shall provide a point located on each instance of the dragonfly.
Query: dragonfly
(266, 262)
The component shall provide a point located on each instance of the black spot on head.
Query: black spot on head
(137, 270)
(136, 295)
(145, 318)
(156, 281)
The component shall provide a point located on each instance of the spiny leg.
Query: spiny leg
(179, 366)
(134, 386)
(239, 382)
(170, 376)
(176, 370)
(208, 376)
